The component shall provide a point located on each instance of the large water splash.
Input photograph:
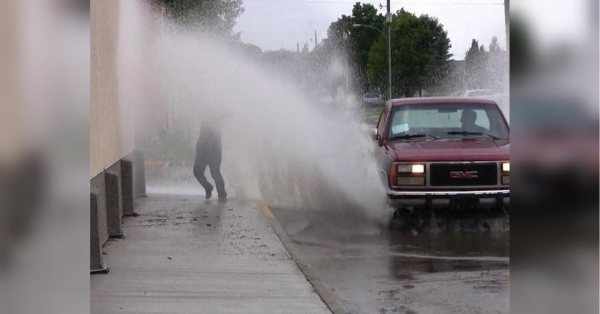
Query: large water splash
(280, 145)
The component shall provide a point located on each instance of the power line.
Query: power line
(450, 11)
(374, 3)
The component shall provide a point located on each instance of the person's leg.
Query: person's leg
(199, 167)
(214, 164)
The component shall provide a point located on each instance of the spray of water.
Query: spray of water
(279, 144)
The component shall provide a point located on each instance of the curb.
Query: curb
(332, 301)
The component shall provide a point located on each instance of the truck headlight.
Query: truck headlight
(418, 168)
(410, 181)
(505, 179)
(406, 174)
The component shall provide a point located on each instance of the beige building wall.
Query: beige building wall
(142, 94)
(122, 115)
(12, 130)
(105, 130)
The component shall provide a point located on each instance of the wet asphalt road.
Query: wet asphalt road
(451, 266)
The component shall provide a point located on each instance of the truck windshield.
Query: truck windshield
(481, 92)
(449, 121)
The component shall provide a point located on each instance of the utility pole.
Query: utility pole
(388, 20)
(315, 39)
(507, 22)
(298, 47)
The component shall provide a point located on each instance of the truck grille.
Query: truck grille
(478, 174)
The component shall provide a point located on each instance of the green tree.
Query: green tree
(358, 40)
(420, 54)
(474, 54)
(476, 66)
(305, 48)
(494, 45)
(208, 15)
(249, 50)
(339, 29)
(363, 38)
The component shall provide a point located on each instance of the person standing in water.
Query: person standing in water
(209, 153)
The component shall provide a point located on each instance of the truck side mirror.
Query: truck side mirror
(377, 137)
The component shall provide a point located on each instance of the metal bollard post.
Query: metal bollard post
(139, 174)
(114, 205)
(127, 188)
(97, 264)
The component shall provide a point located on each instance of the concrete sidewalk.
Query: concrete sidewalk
(184, 254)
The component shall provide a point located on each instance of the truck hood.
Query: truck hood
(450, 150)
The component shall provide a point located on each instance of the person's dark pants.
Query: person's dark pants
(211, 157)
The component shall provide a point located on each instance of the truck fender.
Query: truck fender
(384, 178)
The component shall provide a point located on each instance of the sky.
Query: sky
(277, 24)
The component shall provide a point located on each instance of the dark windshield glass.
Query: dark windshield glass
(441, 119)
(483, 92)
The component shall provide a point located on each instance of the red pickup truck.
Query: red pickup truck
(444, 151)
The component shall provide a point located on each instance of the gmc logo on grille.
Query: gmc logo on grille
(464, 174)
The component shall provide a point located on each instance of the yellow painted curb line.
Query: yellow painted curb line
(265, 210)
(331, 301)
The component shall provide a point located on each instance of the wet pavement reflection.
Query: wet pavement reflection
(454, 267)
